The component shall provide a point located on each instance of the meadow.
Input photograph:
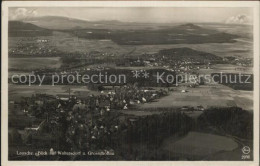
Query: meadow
(15, 92)
(33, 63)
(207, 96)
(198, 145)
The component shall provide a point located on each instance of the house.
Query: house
(79, 107)
(36, 128)
(125, 107)
(42, 41)
(63, 97)
(185, 108)
(132, 120)
(200, 108)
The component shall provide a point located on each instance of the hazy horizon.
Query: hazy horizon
(140, 14)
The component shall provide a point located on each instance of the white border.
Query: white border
(4, 78)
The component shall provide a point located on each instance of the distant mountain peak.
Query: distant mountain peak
(190, 25)
(18, 25)
(23, 29)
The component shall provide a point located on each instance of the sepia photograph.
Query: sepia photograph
(103, 81)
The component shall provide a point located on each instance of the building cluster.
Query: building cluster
(81, 122)
(245, 62)
(39, 47)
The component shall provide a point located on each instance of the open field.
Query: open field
(198, 145)
(71, 44)
(124, 67)
(240, 48)
(227, 68)
(243, 47)
(11, 73)
(68, 43)
(232, 155)
(245, 31)
(34, 63)
(139, 113)
(208, 96)
(15, 92)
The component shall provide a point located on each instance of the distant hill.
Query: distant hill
(188, 53)
(65, 23)
(182, 34)
(21, 29)
(122, 33)
(57, 22)
(189, 25)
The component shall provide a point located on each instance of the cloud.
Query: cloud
(22, 13)
(239, 19)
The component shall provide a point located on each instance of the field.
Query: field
(227, 68)
(198, 145)
(15, 92)
(34, 63)
(185, 33)
(207, 96)
(243, 47)
(69, 43)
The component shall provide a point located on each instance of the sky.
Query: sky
(141, 14)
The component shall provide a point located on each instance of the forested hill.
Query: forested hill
(21, 29)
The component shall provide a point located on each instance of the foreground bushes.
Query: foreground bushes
(232, 121)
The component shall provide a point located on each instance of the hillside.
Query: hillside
(187, 53)
(65, 23)
(122, 33)
(57, 22)
(182, 34)
(21, 29)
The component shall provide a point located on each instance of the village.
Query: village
(49, 114)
